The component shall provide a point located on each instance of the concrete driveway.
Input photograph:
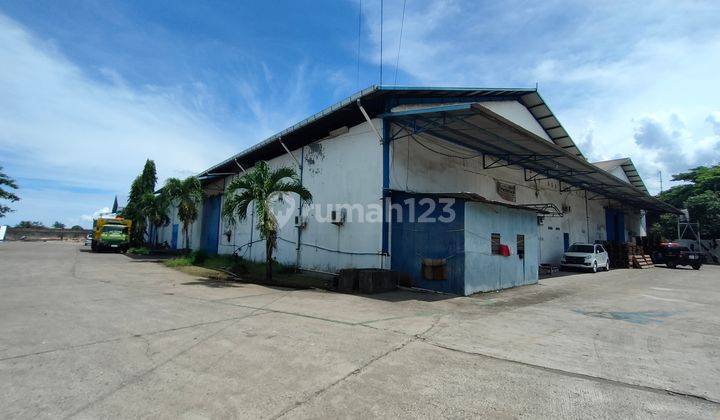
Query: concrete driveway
(102, 335)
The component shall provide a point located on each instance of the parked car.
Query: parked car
(672, 255)
(586, 256)
(88, 240)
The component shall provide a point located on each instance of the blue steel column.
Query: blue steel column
(386, 185)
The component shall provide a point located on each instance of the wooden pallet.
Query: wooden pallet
(642, 261)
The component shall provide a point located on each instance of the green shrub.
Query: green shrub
(139, 251)
(198, 257)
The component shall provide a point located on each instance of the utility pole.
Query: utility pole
(660, 176)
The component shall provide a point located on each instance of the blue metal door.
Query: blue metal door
(173, 240)
(615, 225)
(414, 240)
(210, 224)
(566, 240)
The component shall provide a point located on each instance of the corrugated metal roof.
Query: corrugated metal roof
(478, 128)
(628, 167)
(374, 100)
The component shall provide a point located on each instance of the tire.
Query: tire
(594, 267)
(671, 265)
(696, 267)
(93, 246)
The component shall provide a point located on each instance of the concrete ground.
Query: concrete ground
(102, 335)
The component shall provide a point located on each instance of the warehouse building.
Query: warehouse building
(460, 189)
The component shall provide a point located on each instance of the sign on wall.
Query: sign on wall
(505, 191)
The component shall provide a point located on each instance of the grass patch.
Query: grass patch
(249, 271)
(139, 250)
(178, 262)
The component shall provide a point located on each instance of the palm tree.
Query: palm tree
(6, 194)
(155, 208)
(263, 186)
(188, 194)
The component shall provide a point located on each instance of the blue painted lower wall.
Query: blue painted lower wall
(413, 239)
(464, 243)
(485, 271)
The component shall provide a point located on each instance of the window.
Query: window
(521, 246)
(495, 244)
(600, 248)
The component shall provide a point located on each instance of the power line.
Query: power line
(381, 41)
(358, 44)
(441, 153)
(402, 24)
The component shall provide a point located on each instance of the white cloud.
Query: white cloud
(714, 120)
(59, 125)
(95, 215)
(602, 67)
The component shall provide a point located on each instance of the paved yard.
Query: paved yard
(101, 335)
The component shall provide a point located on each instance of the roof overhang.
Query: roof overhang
(474, 126)
(477, 198)
(377, 100)
(628, 167)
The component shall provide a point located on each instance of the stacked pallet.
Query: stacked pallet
(627, 255)
(618, 254)
(642, 261)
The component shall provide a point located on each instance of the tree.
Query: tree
(264, 187)
(142, 185)
(188, 194)
(58, 225)
(700, 195)
(76, 227)
(30, 225)
(5, 194)
(705, 209)
(155, 208)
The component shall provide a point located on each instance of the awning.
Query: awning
(477, 198)
(504, 143)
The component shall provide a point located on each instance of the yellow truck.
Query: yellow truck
(111, 233)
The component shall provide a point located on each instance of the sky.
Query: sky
(90, 89)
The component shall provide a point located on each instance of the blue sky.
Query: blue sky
(189, 83)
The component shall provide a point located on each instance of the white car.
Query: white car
(88, 240)
(586, 256)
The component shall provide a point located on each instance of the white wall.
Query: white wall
(338, 170)
(620, 173)
(165, 232)
(348, 169)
